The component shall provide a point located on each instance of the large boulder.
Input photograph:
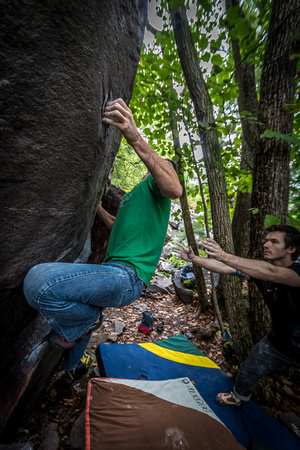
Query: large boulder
(61, 61)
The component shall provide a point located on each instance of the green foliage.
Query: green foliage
(233, 14)
(176, 261)
(175, 3)
(271, 220)
(128, 169)
(287, 137)
(160, 87)
(198, 227)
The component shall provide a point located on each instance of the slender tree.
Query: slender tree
(235, 307)
(247, 103)
(212, 279)
(199, 277)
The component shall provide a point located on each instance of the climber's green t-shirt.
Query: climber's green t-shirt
(140, 229)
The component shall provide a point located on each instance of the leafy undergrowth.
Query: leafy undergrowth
(65, 398)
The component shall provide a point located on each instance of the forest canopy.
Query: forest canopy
(213, 26)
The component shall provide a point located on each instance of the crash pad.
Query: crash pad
(168, 414)
(177, 357)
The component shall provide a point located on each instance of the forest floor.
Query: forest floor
(65, 398)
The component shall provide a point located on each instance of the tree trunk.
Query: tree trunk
(235, 307)
(241, 222)
(272, 158)
(247, 101)
(212, 278)
(200, 281)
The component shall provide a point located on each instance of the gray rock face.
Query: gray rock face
(61, 61)
(51, 440)
(76, 439)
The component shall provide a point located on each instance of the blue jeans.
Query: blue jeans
(263, 359)
(70, 297)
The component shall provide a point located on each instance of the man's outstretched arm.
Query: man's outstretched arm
(120, 116)
(210, 264)
(252, 267)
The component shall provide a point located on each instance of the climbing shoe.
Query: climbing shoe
(227, 399)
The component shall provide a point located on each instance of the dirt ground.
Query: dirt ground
(65, 398)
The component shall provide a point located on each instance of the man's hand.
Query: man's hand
(118, 114)
(213, 249)
(185, 253)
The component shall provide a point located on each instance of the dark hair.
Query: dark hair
(173, 164)
(291, 238)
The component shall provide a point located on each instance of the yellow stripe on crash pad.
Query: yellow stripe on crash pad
(182, 358)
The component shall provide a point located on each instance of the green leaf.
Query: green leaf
(159, 12)
(216, 68)
(206, 5)
(254, 210)
(225, 131)
(291, 139)
(233, 15)
(205, 57)
(243, 29)
(217, 59)
(277, 135)
(203, 43)
(173, 94)
(214, 45)
(218, 100)
(176, 133)
(292, 107)
(175, 3)
(165, 74)
(271, 134)
(271, 220)
(225, 77)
